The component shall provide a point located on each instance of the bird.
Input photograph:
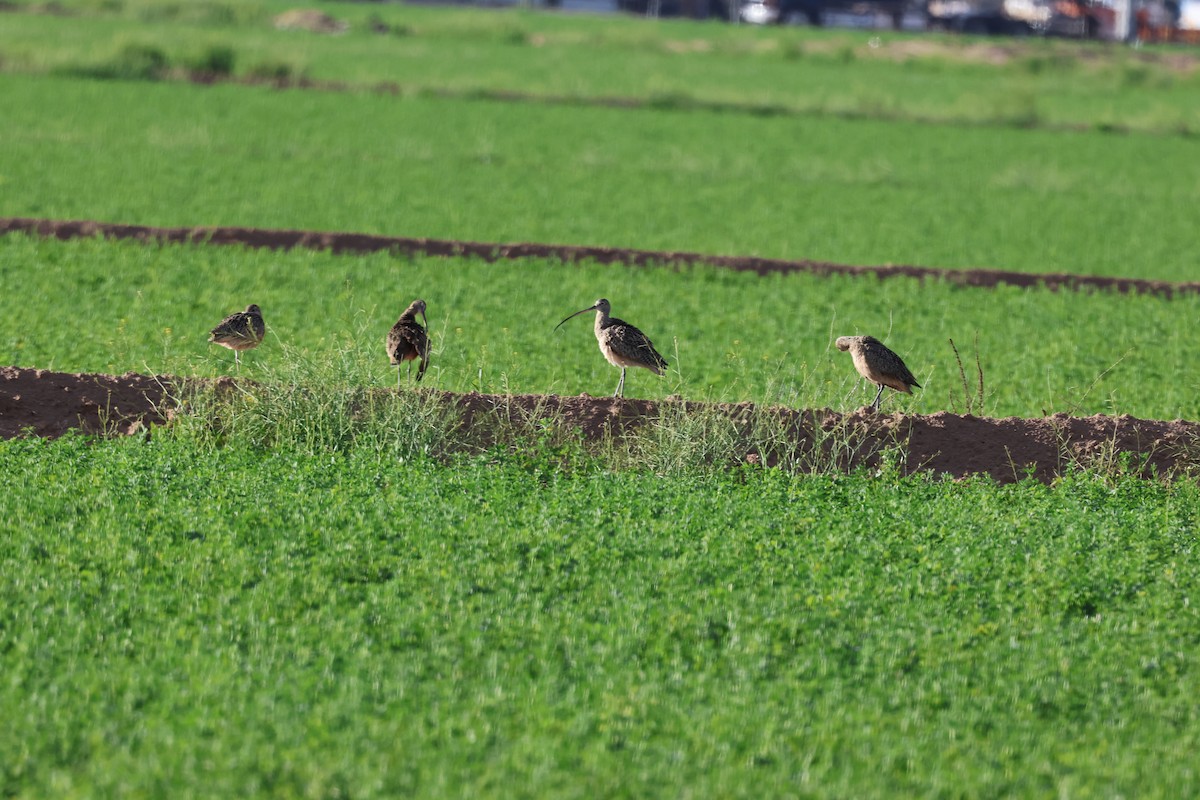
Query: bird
(879, 365)
(241, 330)
(407, 341)
(621, 343)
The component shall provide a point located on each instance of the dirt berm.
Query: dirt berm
(43, 403)
(368, 243)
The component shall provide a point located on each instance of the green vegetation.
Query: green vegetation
(729, 336)
(858, 73)
(863, 191)
(189, 621)
(305, 593)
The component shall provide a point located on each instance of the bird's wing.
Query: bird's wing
(886, 362)
(629, 341)
(405, 336)
(233, 325)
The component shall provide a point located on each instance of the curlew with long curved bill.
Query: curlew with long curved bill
(407, 341)
(621, 343)
(241, 330)
(879, 365)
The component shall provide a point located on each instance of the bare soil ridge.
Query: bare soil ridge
(338, 242)
(48, 404)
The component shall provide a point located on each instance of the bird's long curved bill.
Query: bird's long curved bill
(576, 314)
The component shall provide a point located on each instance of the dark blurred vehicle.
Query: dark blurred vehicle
(1084, 19)
(696, 9)
(762, 12)
(812, 10)
(758, 12)
(991, 17)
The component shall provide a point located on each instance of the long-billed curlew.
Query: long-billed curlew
(622, 344)
(875, 362)
(407, 341)
(241, 330)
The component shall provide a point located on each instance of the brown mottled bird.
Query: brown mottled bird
(621, 343)
(878, 364)
(406, 341)
(242, 330)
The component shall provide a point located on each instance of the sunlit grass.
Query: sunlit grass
(872, 73)
(728, 336)
(864, 192)
(182, 619)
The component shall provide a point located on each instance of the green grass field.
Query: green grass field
(860, 73)
(203, 623)
(282, 611)
(863, 191)
(729, 336)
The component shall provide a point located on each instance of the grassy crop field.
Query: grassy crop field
(881, 74)
(856, 191)
(729, 336)
(943, 193)
(205, 623)
(215, 611)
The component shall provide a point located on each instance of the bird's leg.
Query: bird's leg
(620, 385)
(237, 363)
(399, 380)
(878, 395)
(409, 373)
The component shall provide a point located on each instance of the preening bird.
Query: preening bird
(242, 330)
(407, 340)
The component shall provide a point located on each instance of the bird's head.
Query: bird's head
(600, 305)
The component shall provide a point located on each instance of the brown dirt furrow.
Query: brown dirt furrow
(279, 239)
(43, 403)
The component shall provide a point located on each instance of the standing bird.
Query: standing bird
(878, 364)
(406, 341)
(622, 344)
(242, 330)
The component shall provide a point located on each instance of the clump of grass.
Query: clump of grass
(1134, 75)
(685, 438)
(279, 72)
(794, 51)
(133, 62)
(1055, 62)
(216, 60)
(318, 405)
(1106, 464)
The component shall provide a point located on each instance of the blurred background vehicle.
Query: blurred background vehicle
(853, 13)
(1084, 19)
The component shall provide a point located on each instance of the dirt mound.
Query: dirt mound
(42, 403)
(368, 243)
